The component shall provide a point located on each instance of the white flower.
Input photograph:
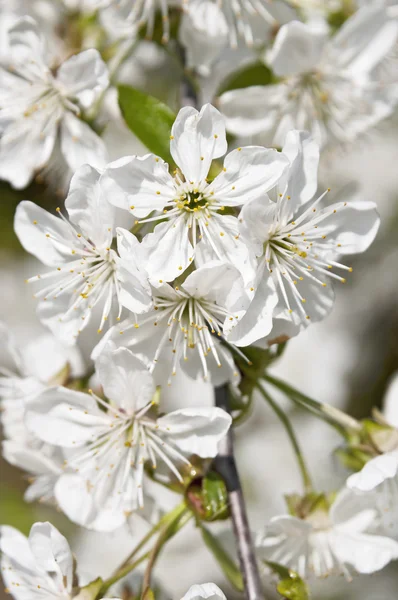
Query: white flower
(123, 18)
(378, 479)
(40, 112)
(39, 567)
(298, 245)
(191, 208)
(204, 33)
(205, 591)
(107, 449)
(36, 366)
(182, 327)
(327, 542)
(327, 84)
(241, 16)
(79, 250)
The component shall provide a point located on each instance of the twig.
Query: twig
(292, 436)
(226, 466)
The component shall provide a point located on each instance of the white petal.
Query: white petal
(374, 473)
(124, 378)
(208, 591)
(248, 173)
(76, 501)
(255, 109)
(204, 33)
(197, 138)
(88, 209)
(42, 234)
(218, 282)
(135, 293)
(196, 430)
(28, 459)
(257, 321)
(353, 226)
(83, 77)
(390, 408)
(226, 245)
(255, 220)
(28, 46)
(65, 327)
(300, 181)
(139, 184)
(297, 49)
(65, 418)
(44, 358)
(15, 546)
(285, 540)
(366, 553)
(52, 552)
(168, 249)
(26, 147)
(364, 39)
(80, 145)
(9, 347)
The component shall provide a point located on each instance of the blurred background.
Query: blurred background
(347, 360)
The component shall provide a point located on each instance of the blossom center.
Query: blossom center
(193, 201)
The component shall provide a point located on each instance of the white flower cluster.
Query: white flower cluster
(182, 265)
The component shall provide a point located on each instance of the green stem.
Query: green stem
(165, 520)
(122, 572)
(307, 483)
(168, 532)
(342, 422)
(127, 566)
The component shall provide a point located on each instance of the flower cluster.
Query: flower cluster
(196, 258)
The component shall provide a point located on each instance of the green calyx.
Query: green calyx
(208, 498)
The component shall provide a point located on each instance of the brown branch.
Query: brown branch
(226, 466)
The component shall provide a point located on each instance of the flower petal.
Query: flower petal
(124, 378)
(65, 418)
(297, 49)
(168, 249)
(52, 552)
(390, 408)
(80, 145)
(15, 546)
(366, 553)
(300, 181)
(364, 39)
(248, 173)
(374, 473)
(351, 225)
(139, 184)
(206, 591)
(88, 209)
(257, 321)
(42, 234)
(135, 293)
(26, 147)
(83, 77)
(196, 139)
(255, 109)
(79, 504)
(196, 430)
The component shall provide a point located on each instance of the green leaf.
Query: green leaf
(149, 119)
(215, 497)
(90, 591)
(254, 74)
(293, 589)
(291, 586)
(148, 595)
(229, 568)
